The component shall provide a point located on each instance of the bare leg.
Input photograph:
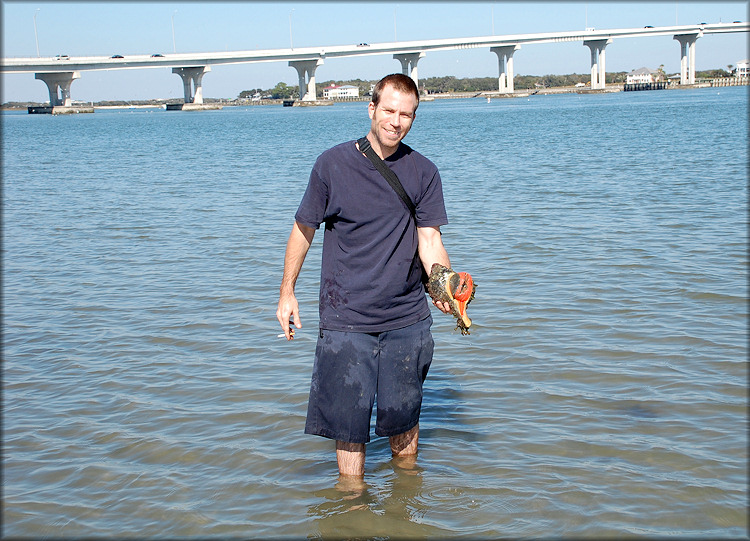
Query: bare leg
(351, 458)
(351, 485)
(405, 444)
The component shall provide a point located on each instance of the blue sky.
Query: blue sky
(92, 28)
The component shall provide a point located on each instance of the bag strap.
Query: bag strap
(388, 174)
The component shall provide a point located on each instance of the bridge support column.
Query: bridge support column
(58, 85)
(409, 63)
(505, 67)
(687, 57)
(192, 82)
(306, 73)
(598, 69)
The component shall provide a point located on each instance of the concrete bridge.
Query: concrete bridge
(59, 72)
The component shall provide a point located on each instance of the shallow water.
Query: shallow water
(602, 392)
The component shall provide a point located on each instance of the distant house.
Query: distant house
(742, 69)
(345, 91)
(642, 75)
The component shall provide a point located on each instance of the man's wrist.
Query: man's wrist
(286, 290)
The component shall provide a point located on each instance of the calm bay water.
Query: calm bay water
(602, 392)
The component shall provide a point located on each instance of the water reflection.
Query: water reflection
(389, 505)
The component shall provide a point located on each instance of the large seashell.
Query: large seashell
(453, 288)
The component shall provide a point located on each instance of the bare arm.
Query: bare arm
(431, 250)
(297, 247)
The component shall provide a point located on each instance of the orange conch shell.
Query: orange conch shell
(455, 289)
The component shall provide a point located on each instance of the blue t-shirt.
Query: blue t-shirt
(370, 275)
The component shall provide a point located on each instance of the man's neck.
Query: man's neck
(383, 152)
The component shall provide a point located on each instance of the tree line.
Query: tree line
(451, 84)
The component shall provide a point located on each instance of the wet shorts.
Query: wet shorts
(351, 368)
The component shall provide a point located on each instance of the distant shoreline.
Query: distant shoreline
(617, 87)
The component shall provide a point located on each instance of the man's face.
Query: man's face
(392, 118)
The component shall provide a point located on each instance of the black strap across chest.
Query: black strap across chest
(388, 174)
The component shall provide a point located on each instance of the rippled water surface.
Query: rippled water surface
(602, 392)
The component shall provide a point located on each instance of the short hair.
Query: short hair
(400, 82)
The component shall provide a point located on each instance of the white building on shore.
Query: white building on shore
(346, 91)
(642, 75)
(742, 69)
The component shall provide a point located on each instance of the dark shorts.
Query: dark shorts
(351, 368)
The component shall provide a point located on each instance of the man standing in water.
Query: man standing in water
(374, 336)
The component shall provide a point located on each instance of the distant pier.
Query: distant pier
(632, 87)
(192, 106)
(306, 103)
(58, 110)
(730, 81)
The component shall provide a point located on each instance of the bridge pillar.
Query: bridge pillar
(192, 82)
(306, 72)
(409, 63)
(598, 70)
(687, 57)
(505, 67)
(58, 85)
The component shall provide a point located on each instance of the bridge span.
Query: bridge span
(59, 72)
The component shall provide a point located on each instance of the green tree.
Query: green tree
(711, 74)
(283, 91)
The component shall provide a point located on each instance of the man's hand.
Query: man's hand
(442, 306)
(296, 249)
(288, 313)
